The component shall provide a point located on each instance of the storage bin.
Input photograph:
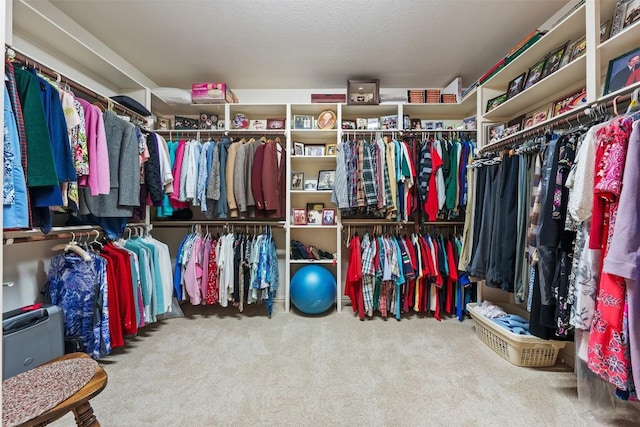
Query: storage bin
(520, 350)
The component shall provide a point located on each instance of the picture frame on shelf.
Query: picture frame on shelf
(314, 150)
(495, 102)
(258, 125)
(240, 121)
(186, 123)
(631, 13)
(495, 132)
(303, 122)
(416, 124)
(469, 123)
(622, 71)
(208, 121)
(569, 102)
(516, 85)
(373, 123)
(326, 179)
(439, 125)
(331, 149)
(298, 148)
(510, 130)
(327, 119)
(299, 216)
(310, 184)
(314, 213)
(275, 124)
(361, 124)
(540, 116)
(535, 73)
(363, 92)
(389, 122)
(328, 216)
(220, 124)
(554, 58)
(528, 122)
(624, 12)
(164, 123)
(605, 30)
(348, 124)
(577, 48)
(297, 180)
(516, 121)
(406, 122)
(427, 125)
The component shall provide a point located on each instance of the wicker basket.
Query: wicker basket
(520, 350)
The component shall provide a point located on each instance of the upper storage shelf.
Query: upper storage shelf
(570, 29)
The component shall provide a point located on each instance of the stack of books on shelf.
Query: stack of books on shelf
(415, 96)
(433, 96)
(449, 98)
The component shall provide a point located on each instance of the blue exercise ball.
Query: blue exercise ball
(313, 289)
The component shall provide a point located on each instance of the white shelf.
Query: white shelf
(350, 112)
(553, 86)
(272, 111)
(313, 109)
(444, 111)
(161, 108)
(312, 158)
(311, 191)
(571, 28)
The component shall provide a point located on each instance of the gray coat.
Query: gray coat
(124, 167)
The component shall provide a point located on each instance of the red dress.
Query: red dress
(608, 351)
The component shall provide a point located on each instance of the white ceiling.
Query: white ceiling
(276, 44)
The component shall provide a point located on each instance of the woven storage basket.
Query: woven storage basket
(520, 350)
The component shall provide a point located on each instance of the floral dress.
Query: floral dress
(608, 350)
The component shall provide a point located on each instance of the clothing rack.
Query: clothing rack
(219, 224)
(57, 233)
(13, 55)
(208, 133)
(559, 122)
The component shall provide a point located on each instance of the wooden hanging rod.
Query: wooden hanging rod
(561, 121)
(12, 55)
(56, 233)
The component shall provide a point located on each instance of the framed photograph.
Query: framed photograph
(310, 184)
(631, 13)
(363, 92)
(240, 121)
(494, 102)
(495, 132)
(389, 122)
(186, 123)
(416, 124)
(535, 73)
(326, 178)
(605, 30)
(528, 122)
(208, 121)
(516, 121)
(553, 61)
(275, 123)
(510, 130)
(314, 213)
(314, 150)
(302, 122)
(328, 216)
(258, 125)
(469, 123)
(331, 149)
(439, 125)
(361, 124)
(577, 48)
(516, 85)
(569, 102)
(297, 180)
(427, 125)
(623, 71)
(406, 122)
(298, 148)
(299, 216)
(327, 120)
(348, 124)
(540, 116)
(373, 123)
(164, 123)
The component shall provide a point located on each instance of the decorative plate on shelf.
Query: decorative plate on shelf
(240, 121)
(327, 120)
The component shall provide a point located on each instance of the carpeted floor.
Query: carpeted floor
(215, 367)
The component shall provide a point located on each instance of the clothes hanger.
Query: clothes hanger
(634, 104)
(73, 246)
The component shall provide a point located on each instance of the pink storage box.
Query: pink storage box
(212, 93)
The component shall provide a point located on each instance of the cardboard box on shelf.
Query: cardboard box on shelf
(212, 93)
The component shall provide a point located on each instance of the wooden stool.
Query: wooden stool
(79, 402)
